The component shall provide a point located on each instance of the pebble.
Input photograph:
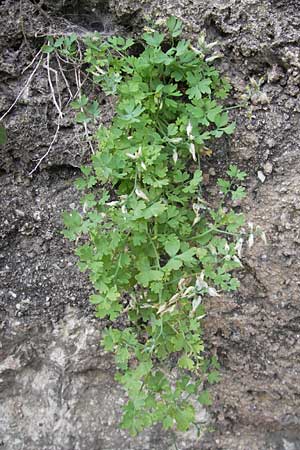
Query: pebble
(261, 176)
(268, 168)
(19, 213)
(271, 143)
(37, 215)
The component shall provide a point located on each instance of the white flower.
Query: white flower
(175, 156)
(141, 194)
(189, 129)
(212, 292)
(131, 155)
(196, 302)
(175, 140)
(236, 259)
(114, 203)
(200, 283)
(193, 151)
(238, 247)
(250, 240)
(196, 220)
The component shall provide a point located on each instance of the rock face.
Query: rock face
(56, 386)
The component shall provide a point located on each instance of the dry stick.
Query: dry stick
(73, 63)
(49, 148)
(30, 64)
(51, 87)
(58, 107)
(23, 89)
(64, 77)
(57, 87)
(79, 89)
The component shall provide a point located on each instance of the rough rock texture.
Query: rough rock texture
(56, 387)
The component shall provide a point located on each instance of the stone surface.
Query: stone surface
(56, 386)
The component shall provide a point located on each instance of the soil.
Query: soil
(56, 386)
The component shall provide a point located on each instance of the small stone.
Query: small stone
(261, 176)
(274, 74)
(260, 98)
(205, 179)
(19, 213)
(37, 215)
(268, 168)
(271, 143)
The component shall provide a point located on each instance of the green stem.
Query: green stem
(218, 230)
(241, 105)
(157, 260)
(118, 266)
(155, 250)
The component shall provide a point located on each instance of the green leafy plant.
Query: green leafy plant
(3, 136)
(152, 243)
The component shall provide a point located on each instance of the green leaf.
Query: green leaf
(186, 363)
(172, 129)
(3, 136)
(221, 120)
(154, 210)
(182, 47)
(172, 245)
(93, 109)
(234, 172)
(59, 42)
(185, 417)
(188, 256)
(153, 39)
(168, 422)
(144, 278)
(73, 224)
(213, 377)
(122, 357)
(238, 193)
(173, 264)
(81, 117)
(229, 129)
(203, 87)
(205, 398)
(174, 26)
(48, 49)
(224, 185)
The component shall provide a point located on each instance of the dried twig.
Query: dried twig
(79, 85)
(23, 89)
(49, 148)
(64, 78)
(30, 64)
(49, 70)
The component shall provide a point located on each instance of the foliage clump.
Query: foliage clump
(151, 242)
